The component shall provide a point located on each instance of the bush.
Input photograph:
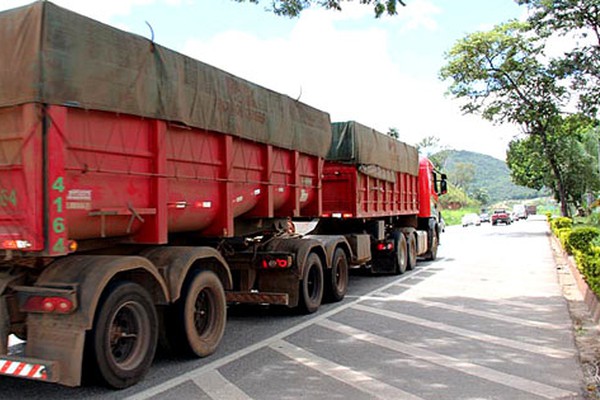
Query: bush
(581, 238)
(589, 265)
(561, 223)
(549, 216)
(595, 218)
(563, 236)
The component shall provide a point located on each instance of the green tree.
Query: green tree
(575, 143)
(293, 8)
(456, 195)
(525, 159)
(482, 196)
(393, 132)
(500, 76)
(440, 159)
(428, 145)
(579, 19)
(462, 175)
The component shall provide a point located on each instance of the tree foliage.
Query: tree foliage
(492, 176)
(429, 145)
(579, 20)
(575, 143)
(462, 175)
(457, 196)
(501, 77)
(525, 159)
(394, 133)
(293, 8)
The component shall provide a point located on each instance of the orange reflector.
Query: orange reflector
(72, 246)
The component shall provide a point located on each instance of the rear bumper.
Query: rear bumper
(29, 368)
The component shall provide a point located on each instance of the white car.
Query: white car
(471, 219)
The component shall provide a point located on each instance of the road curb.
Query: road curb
(582, 304)
(589, 297)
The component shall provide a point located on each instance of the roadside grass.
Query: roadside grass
(453, 217)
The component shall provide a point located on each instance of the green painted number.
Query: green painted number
(59, 246)
(58, 225)
(59, 184)
(59, 204)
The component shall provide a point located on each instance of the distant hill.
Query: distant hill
(491, 174)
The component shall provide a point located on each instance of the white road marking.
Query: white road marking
(532, 348)
(171, 383)
(358, 380)
(478, 313)
(218, 387)
(466, 367)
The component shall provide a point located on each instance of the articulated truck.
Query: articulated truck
(142, 192)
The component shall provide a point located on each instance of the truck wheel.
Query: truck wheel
(400, 259)
(201, 315)
(124, 337)
(412, 251)
(338, 276)
(311, 285)
(432, 252)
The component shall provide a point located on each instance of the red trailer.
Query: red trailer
(141, 191)
(381, 198)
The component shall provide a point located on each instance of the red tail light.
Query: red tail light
(57, 305)
(385, 246)
(276, 262)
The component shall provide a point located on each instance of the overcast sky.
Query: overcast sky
(380, 72)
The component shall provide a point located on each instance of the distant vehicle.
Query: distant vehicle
(501, 215)
(519, 211)
(531, 210)
(471, 219)
(484, 217)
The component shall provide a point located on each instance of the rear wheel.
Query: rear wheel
(124, 337)
(432, 252)
(201, 313)
(311, 285)
(338, 276)
(411, 243)
(400, 253)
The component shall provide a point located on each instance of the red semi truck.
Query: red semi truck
(141, 191)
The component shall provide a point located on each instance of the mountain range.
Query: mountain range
(489, 174)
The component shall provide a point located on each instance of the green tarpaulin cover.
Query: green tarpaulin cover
(54, 56)
(376, 153)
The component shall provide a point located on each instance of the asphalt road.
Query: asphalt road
(487, 320)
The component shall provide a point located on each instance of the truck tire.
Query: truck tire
(338, 276)
(124, 336)
(311, 285)
(201, 313)
(400, 253)
(411, 244)
(432, 252)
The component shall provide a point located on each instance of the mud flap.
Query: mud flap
(54, 338)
